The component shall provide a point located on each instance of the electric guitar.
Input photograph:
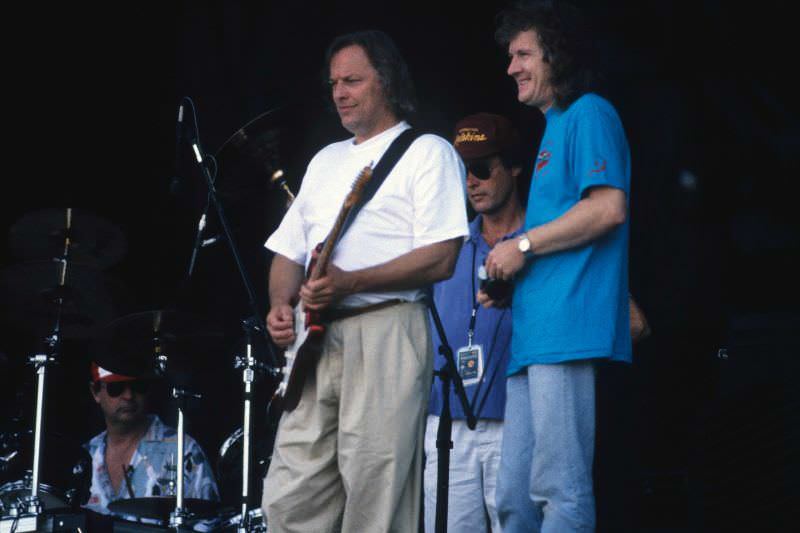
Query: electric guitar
(303, 354)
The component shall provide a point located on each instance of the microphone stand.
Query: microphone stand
(447, 374)
(252, 325)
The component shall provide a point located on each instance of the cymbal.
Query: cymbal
(94, 241)
(167, 325)
(249, 157)
(256, 140)
(160, 507)
(30, 292)
(136, 340)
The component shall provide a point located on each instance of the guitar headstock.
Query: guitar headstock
(358, 186)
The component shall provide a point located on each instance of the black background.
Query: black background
(686, 439)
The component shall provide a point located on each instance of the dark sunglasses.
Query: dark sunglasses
(481, 169)
(115, 388)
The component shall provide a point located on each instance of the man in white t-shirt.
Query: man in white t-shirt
(349, 456)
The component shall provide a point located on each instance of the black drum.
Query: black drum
(229, 469)
(65, 471)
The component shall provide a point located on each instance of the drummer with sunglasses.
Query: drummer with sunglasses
(135, 456)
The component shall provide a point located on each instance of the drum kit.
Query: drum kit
(59, 291)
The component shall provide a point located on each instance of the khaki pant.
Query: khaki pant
(349, 457)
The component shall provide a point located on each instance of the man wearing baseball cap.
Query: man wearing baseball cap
(135, 456)
(488, 144)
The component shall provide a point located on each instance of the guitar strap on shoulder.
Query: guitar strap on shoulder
(379, 173)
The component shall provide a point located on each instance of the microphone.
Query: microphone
(175, 182)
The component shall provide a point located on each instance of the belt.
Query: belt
(331, 315)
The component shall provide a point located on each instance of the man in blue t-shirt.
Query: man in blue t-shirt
(488, 144)
(570, 266)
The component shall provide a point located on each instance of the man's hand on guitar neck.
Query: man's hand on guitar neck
(320, 293)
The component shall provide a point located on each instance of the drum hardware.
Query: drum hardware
(229, 463)
(181, 513)
(162, 508)
(257, 140)
(249, 366)
(43, 289)
(65, 477)
(49, 287)
(48, 523)
(94, 241)
(253, 151)
(255, 520)
(172, 471)
(13, 523)
(32, 504)
(32, 298)
(56, 298)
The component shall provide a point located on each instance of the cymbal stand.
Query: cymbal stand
(178, 517)
(32, 504)
(249, 365)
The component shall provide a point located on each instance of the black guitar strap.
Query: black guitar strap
(379, 173)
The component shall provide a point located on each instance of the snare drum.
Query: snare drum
(14, 493)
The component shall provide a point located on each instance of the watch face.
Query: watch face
(524, 245)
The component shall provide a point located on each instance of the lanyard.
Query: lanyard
(470, 335)
(474, 313)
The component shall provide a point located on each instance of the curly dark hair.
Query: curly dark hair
(386, 59)
(563, 36)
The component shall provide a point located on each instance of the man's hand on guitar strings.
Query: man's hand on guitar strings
(320, 293)
(280, 324)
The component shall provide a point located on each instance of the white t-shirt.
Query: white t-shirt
(421, 202)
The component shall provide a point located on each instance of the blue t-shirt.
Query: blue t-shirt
(454, 299)
(573, 304)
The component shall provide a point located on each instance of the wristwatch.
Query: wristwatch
(524, 245)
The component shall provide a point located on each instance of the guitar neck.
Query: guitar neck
(325, 254)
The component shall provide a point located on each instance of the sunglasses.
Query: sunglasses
(481, 169)
(115, 388)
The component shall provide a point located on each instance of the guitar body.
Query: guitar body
(301, 357)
